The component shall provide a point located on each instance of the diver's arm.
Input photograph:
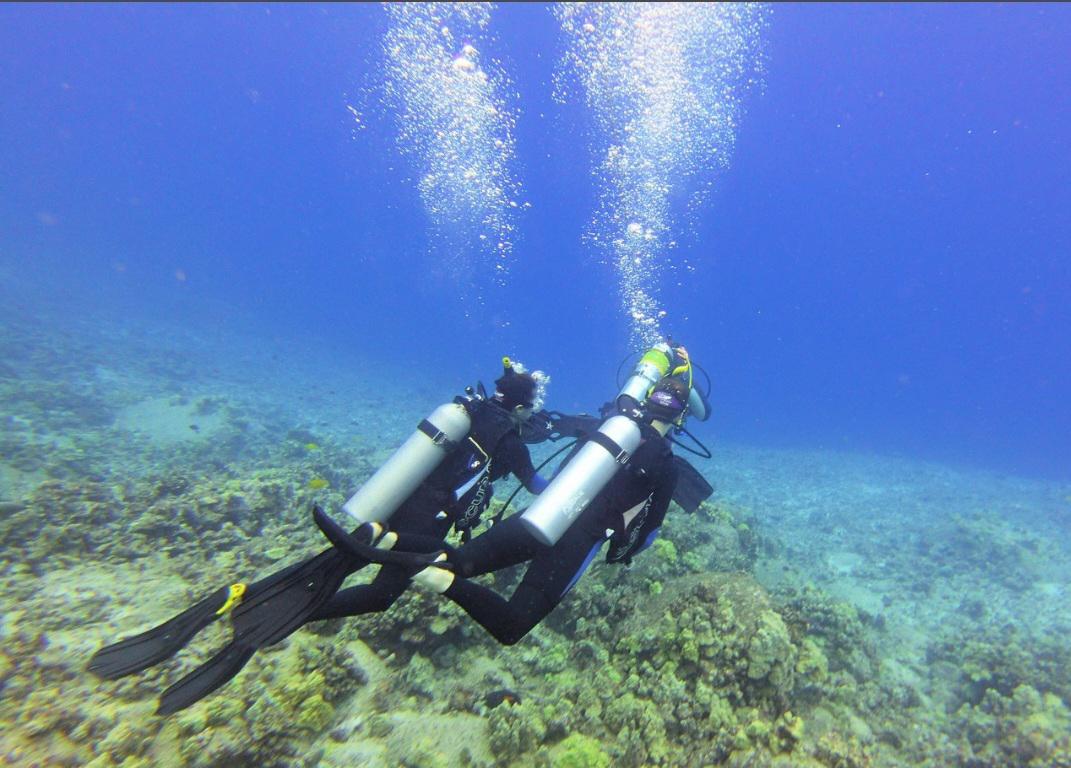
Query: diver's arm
(629, 543)
(518, 461)
(656, 513)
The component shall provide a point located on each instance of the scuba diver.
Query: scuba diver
(457, 493)
(616, 486)
(440, 477)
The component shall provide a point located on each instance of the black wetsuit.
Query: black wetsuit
(424, 519)
(649, 476)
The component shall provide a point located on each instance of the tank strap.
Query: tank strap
(437, 436)
(621, 456)
(489, 425)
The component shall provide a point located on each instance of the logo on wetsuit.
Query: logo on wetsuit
(633, 530)
(479, 502)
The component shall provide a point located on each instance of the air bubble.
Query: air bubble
(665, 83)
(456, 126)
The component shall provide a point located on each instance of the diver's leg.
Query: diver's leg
(548, 579)
(379, 595)
(506, 544)
(389, 583)
(420, 542)
(507, 620)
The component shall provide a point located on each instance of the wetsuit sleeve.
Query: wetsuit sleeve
(513, 457)
(538, 483)
(628, 544)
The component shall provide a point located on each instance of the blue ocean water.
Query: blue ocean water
(882, 266)
(245, 248)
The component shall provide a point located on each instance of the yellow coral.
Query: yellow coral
(579, 751)
(315, 714)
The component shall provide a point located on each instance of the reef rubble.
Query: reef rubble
(810, 632)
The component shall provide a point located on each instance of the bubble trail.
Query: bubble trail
(665, 83)
(456, 126)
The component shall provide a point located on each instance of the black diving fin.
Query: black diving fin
(281, 605)
(161, 642)
(692, 488)
(206, 678)
(262, 614)
(347, 542)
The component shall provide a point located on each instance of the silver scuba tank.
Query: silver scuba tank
(654, 365)
(555, 509)
(561, 502)
(410, 465)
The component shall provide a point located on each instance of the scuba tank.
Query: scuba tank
(606, 451)
(411, 464)
(698, 405)
(569, 493)
(663, 360)
(470, 420)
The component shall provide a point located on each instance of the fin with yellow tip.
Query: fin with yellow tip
(159, 643)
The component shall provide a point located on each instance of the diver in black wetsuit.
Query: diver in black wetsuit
(456, 494)
(628, 512)
(440, 477)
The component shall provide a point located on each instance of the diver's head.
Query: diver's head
(519, 391)
(667, 402)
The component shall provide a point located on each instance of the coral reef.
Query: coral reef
(825, 631)
(1003, 659)
(1024, 728)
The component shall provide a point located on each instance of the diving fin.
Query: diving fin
(159, 643)
(262, 614)
(279, 607)
(692, 488)
(347, 542)
(273, 609)
(288, 592)
(338, 536)
(205, 679)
